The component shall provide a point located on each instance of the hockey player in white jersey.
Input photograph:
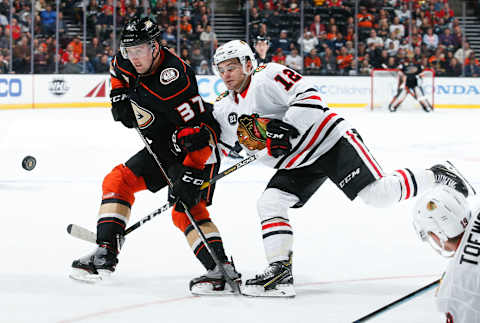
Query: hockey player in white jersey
(275, 107)
(444, 218)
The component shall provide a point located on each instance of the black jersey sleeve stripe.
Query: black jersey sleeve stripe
(297, 146)
(312, 106)
(307, 90)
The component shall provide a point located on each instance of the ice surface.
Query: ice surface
(349, 259)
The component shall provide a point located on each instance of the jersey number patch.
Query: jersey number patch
(186, 109)
(292, 75)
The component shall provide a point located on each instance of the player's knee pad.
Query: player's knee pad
(121, 184)
(275, 203)
(381, 193)
(199, 212)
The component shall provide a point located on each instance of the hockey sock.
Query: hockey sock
(111, 224)
(277, 239)
(414, 182)
(214, 241)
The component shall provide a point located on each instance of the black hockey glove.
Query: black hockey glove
(278, 137)
(190, 139)
(187, 184)
(122, 109)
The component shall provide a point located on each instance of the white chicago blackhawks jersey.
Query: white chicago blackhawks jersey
(459, 291)
(278, 92)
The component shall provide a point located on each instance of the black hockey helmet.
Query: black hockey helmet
(138, 31)
(261, 39)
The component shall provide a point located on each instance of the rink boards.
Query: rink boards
(92, 90)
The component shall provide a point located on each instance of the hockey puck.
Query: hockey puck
(29, 163)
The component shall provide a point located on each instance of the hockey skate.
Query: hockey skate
(426, 107)
(214, 283)
(275, 281)
(447, 174)
(392, 108)
(97, 266)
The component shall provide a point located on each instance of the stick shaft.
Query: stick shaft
(398, 301)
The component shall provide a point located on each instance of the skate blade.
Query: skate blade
(206, 289)
(84, 276)
(286, 290)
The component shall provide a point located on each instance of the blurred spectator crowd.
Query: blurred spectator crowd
(386, 39)
(196, 37)
(325, 46)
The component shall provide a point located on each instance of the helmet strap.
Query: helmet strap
(246, 80)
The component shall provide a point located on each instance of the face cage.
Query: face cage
(243, 61)
(426, 237)
(123, 49)
(440, 249)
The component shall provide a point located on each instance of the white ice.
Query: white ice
(349, 259)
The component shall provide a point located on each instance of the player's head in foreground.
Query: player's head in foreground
(234, 62)
(139, 44)
(440, 217)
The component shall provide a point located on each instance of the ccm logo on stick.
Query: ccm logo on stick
(349, 177)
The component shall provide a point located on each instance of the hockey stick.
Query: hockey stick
(212, 253)
(87, 235)
(398, 301)
(80, 232)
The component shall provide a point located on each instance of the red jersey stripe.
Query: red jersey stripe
(365, 153)
(315, 137)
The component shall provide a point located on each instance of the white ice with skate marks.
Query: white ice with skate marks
(349, 259)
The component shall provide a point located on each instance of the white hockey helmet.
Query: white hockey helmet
(234, 49)
(441, 211)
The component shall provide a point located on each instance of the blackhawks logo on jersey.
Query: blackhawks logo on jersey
(258, 69)
(221, 96)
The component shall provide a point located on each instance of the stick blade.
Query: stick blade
(81, 233)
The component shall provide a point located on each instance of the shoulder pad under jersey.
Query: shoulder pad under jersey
(221, 96)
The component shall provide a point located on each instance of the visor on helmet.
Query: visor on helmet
(137, 51)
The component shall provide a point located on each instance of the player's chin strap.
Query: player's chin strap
(245, 80)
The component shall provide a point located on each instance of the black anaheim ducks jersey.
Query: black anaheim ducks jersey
(164, 100)
(411, 70)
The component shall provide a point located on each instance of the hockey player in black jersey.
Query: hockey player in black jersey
(408, 84)
(156, 91)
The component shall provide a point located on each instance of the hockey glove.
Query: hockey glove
(187, 184)
(278, 137)
(122, 109)
(186, 140)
